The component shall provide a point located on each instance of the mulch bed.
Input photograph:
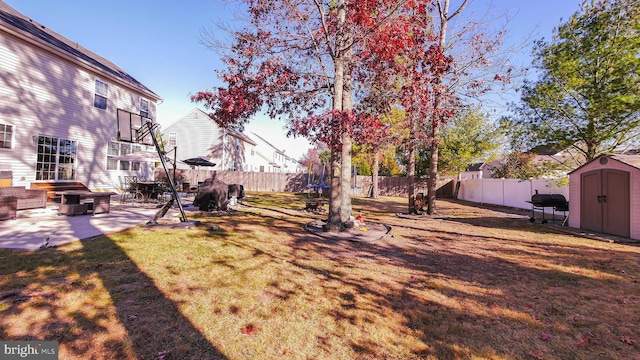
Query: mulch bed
(366, 232)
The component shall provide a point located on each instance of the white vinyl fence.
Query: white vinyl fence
(508, 192)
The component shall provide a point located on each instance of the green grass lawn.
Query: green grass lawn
(473, 283)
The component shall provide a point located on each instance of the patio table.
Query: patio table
(148, 189)
(70, 202)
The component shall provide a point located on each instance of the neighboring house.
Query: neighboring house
(64, 109)
(278, 161)
(475, 171)
(559, 163)
(197, 135)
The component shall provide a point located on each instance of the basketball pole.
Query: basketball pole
(149, 129)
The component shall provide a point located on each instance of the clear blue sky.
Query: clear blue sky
(158, 43)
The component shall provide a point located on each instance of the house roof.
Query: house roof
(268, 143)
(546, 149)
(275, 148)
(242, 137)
(475, 167)
(631, 160)
(196, 112)
(14, 22)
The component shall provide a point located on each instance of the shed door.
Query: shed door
(605, 204)
(590, 206)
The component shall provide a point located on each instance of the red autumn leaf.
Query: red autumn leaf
(536, 354)
(586, 340)
(545, 337)
(627, 340)
(249, 329)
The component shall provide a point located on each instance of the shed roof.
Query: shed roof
(631, 160)
(11, 19)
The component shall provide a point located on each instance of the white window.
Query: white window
(101, 94)
(116, 149)
(56, 158)
(173, 139)
(6, 135)
(144, 108)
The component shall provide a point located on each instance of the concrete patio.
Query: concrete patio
(31, 227)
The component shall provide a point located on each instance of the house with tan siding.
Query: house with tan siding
(66, 113)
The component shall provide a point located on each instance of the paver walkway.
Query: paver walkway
(29, 230)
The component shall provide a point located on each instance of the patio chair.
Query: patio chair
(163, 191)
(131, 189)
(188, 189)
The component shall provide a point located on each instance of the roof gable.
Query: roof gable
(475, 167)
(630, 160)
(12, 19)
(196, 114)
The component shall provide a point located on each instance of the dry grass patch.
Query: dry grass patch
(473, 283)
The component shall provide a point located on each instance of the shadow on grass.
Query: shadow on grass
(483, 304)
(428, 293)
(148, 324)
(473, 295)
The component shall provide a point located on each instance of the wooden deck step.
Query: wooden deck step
(57, 186)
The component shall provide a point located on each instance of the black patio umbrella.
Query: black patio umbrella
(198, 161)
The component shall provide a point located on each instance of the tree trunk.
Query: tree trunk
(374, 177)
(433, 170)
(445, 17)
(411, 176)
(335, 201)
(334, 223)
(336, 207)
(345, 179)
(345, 171)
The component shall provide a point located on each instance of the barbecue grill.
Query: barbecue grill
(557, 202)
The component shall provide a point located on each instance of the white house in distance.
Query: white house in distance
(278, 161)
(475, 171)
(197, 135)
(66, 113)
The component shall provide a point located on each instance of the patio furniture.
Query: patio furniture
(148, 190)
(187, 189)
(8, 207)
(163, 190)
(14, 198)
(131, 189)
(71, 202)
(51, 187)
